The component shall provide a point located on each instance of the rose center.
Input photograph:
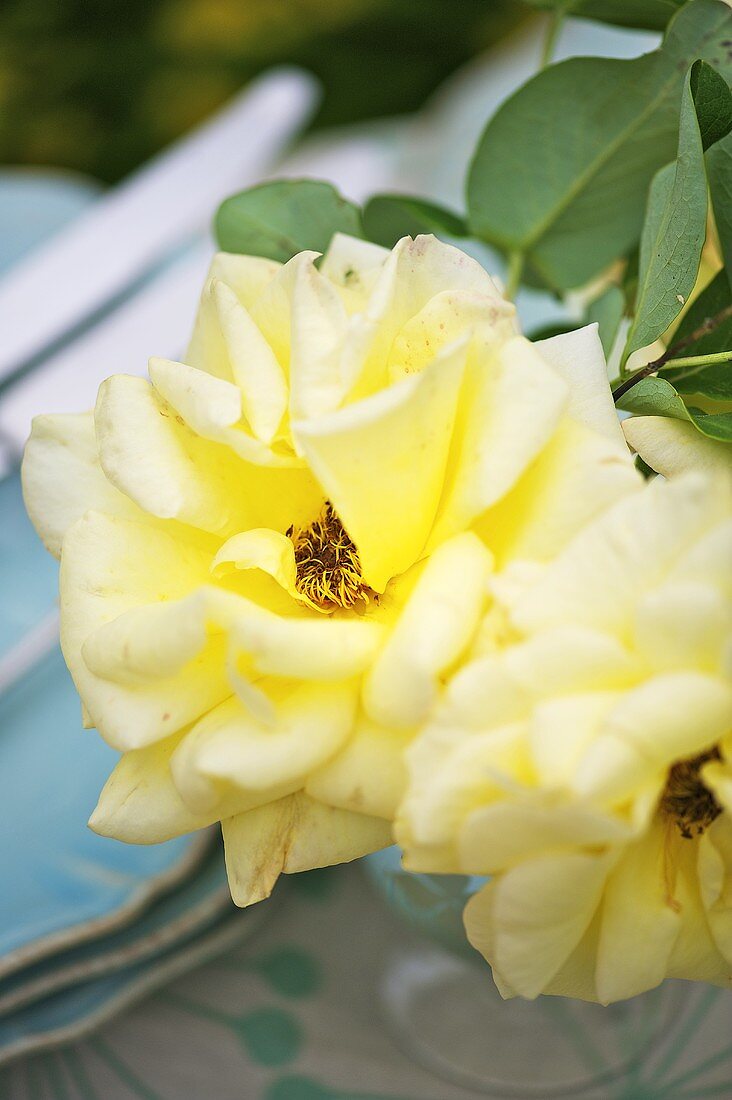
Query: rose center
(686, 799)
(328, 567)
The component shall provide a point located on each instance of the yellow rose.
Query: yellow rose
(272, 552)
(583, 757)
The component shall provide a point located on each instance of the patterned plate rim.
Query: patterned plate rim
(214, 943)
(178, 929)
(123, 914)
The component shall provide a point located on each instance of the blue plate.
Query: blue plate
(74, 1012)
(178, 916)
(61, 882)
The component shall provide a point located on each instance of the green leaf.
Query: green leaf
(657, 397)
(652, 15)
(713, 300)
(553, 328)
(676, 218)
(388, 218)
(643, 468)
(713, 381)
(719, 174)
(562, 171)
(654, 397)
(715, 425)
(607, 311)
(279, 219)
(713, 101)
(630, 280)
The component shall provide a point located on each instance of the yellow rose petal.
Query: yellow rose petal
(513, 405)
(254, 367)
(368, 775)
(579, 358)
(640, 921)
(260, 548)
(381, 463)
(577, 476)
(62, 478)
(353, 265)
(112, 566)
(437, 623)
(500, 836)
(537, 913)
(672, 447)
(140, 803)
(318, 327)
(613, 560)
(290, 835)
(310, 722)
(649, 728)
(157, 461)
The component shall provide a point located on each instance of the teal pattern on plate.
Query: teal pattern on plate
(67, 1014)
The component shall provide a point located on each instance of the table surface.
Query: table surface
(294, 1014)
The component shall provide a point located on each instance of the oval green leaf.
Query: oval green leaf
(562, 171)
(676, 217)
(719, 174)
(709, 311)
(282, 218)
(388, 218)
(713, 380)
(657, 397)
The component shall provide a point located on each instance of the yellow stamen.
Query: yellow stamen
(328, 567)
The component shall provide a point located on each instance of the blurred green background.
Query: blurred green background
(100, 85)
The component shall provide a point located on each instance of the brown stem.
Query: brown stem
(708, 325)
(644, 372)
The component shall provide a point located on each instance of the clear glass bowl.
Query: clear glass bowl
(443, 1009)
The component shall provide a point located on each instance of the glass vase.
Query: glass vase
(444, 1011)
